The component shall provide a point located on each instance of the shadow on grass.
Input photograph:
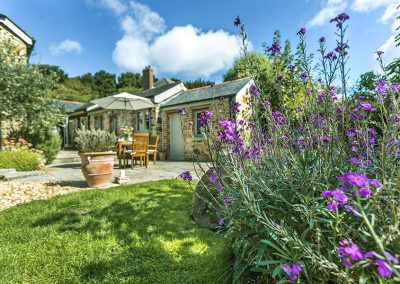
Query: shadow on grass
(157, 240)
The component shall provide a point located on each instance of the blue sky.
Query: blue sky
(190, 40)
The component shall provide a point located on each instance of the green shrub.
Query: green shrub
(21, 160)
(311, 196)
(95, 141)
(50, 148)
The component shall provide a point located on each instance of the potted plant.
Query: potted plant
(126, 132)
(96, 149)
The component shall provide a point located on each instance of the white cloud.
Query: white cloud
(391, 51)
(66, 46)
(180, 49)
(116, 6)
(389, 13)
(331, 8)
(188, 49)
(329, 11)
(368, 5)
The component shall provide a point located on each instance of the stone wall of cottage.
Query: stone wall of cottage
(195, 147)
(21, 48)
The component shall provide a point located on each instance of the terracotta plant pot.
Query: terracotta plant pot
(97, 168)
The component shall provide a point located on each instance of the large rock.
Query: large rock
(204, 205)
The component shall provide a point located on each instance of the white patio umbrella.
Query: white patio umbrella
(124, 101)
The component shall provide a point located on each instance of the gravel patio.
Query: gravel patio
(60, 179)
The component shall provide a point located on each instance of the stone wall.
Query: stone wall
(21, 50)
(196, 147)
(5, 34)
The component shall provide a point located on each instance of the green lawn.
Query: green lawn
(130, 234)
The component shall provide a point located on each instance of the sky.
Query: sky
(190, 39)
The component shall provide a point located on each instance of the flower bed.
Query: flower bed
(310, 178)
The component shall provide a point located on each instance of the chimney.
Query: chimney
(148, 78)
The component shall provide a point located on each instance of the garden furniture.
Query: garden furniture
(152, 148)
(139, 149)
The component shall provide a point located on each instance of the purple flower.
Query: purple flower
(279, 79)
(221, 222)
(354, 160)
(381, 88)
(234, 107)
(274, 49)
(340, 19)
(213, 178)
(302, 32)
(254, 91)
(186, 176)
(303, 76)
(322, 40)
(330, 56)
(379, 53)
(355, 179)
(364, 192)
(349, 251)
(237, 22)
(205, 118)
(367, 107)
(375, 182)
(351, 208)
(219, 187)
(292, 270)
(180, 110)
(332, 206)
(228, 201)
(339, 196)
(384, 268)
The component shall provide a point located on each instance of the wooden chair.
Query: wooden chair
(139, 149)
(152, 148)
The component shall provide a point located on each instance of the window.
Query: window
(142, 121)
(114, 124)
(196, 127)
(98, 122)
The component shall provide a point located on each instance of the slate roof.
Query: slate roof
(84, 106)
(225, 89)
(156, 91)
(70, 106)
(163, 82)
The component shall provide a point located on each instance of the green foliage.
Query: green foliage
(50, 148)
(52, 70)
(253, 63)
(130, 80)
(199, 82)
(25, 96)
(95, 140)
(133, 234)
(20, 159)
(288, 195)
(74, 89)
(105, 84)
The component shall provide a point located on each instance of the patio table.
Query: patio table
(121, 145)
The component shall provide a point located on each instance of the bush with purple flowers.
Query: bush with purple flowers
(310, 190)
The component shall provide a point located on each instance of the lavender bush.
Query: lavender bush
(311, 192)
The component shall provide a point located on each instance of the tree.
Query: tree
(131, 80)
(199, 82)
(105, 84)
(52, 70)
(254, 65)
(24, 96)
(366, 84)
